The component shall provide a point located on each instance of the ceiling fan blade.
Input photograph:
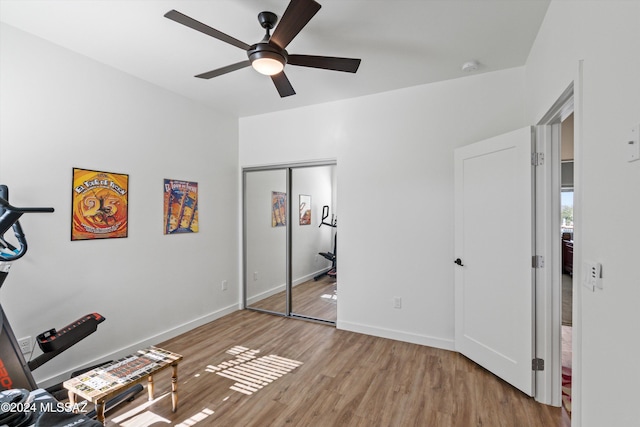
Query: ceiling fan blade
(224, 70)
(295, 17)
(282, 84)
(349, 65)
(183, 19)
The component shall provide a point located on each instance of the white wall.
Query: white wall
(60, 110)
(606, 36)
(395, 191)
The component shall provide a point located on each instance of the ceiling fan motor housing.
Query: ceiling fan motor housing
(267, 50)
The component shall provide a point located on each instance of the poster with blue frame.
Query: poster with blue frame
(278, 209)
(180, 206)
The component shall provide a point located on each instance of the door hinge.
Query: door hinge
(537, 261)
(537, 159)
(537, 364)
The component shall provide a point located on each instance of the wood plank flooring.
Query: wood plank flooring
(314, 298)
(344, 379)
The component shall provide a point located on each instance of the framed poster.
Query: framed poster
(278, 209)
(305, 209)
(99, 205)
(180, 206)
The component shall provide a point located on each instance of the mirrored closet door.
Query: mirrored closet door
(313, 243)
(290, 238)
(265, 240)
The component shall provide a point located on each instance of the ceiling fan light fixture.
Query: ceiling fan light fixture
(267, 66)
(267, 59)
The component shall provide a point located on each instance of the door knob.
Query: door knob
(459, 262)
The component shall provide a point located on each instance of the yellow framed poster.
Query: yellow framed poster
(99, 205)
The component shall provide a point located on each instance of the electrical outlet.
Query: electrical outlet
(25, 345)
(223, 286)
(397, 302)
(255, 276)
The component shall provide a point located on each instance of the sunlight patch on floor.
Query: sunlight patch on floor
(251, 373)
(133, 414)
(146, 418)
(196, 418)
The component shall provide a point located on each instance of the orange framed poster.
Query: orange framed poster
(99, 205)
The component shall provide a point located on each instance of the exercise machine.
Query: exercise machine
(331, 256)
(14, 371)
(17, 384)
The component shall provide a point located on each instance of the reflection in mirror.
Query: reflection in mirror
(304, 209)
(265, 239)
(313, 251)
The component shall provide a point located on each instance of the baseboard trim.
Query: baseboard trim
(310, 276)
(282, 287)
(441, 343)
(153, 340)
(266, 294)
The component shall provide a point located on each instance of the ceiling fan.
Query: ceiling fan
(269, 55)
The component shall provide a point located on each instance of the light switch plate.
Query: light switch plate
(592, 275)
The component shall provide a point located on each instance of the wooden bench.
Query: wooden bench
(101, 384)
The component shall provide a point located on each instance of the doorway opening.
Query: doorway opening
(555, 294)
(566, 230)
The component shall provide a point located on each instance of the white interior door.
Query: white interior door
(494, 291)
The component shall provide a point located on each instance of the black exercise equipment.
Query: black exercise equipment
(9, 216)
(38, 408)
(331, 256)
(15, 371)
(53, 342)
(15, 398)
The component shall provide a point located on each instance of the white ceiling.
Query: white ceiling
(401, 43)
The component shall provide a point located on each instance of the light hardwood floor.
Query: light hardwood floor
(314, 298)
(343, 379)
